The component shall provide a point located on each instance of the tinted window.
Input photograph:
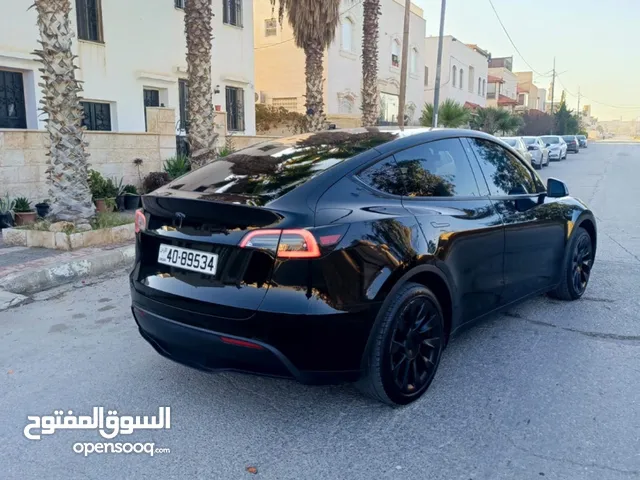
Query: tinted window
(384, 176)
(260, 174)
(529, 140)
(569, 138)
(505, 174)
(437, 169)
(582, 137)
(551, 140)
(510, 141)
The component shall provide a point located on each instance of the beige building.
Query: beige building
(530, 97)
(280, 65)
(502, 84)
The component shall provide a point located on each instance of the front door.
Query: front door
(534, 225)
(463, 231)
(12, 105)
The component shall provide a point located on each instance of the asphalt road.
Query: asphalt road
(548, 389)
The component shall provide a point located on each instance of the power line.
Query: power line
(291, 39)
(512, 43)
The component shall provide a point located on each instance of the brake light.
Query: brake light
(140, 221)
(292, 243)
(241, 343)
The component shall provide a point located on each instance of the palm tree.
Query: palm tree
(494, 120)
(450, 114)
(198, 15)
(68, 180)
(370, 34)
(314, 28)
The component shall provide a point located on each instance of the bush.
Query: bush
(268, 117)
(97, 185)
(22, 204)
(130, 189)
(154, 181)
(177, 166)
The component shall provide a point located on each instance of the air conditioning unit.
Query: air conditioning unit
(261, 97)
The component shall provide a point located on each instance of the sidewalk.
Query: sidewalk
(24, 271)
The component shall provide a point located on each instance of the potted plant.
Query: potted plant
(43, 208)
(131, 197)
(119, 189)
(7, 215)
(98, 187)
(25, 215)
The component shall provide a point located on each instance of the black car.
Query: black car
(573, 144)
(351, 254)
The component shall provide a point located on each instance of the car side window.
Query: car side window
(384, 176)
(505, 174)
(437, 169)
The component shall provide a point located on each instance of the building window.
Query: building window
(454, 74)
(270, 27)
(151, 98)
(180, 4)
(479, 86)
(461, 77)
(426, 76)
(235, 109)
(232, 12)
(347, 35)
(97, 116)
(472, 72)
(413, 61)
(12, 104)
(395, 53)
(288, 103)
(183, 94)
(521, 99)
(89, 16)
(484, 87)
(388, 108)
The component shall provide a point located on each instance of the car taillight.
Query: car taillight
(140, 221)
(292, 243)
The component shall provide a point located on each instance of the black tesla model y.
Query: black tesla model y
(351, 254)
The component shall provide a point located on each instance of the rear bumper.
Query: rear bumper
(220, 348)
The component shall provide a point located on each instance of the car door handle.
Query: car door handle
(439, 225)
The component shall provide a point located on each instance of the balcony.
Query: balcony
(491, 95)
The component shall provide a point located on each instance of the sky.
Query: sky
(595, 43)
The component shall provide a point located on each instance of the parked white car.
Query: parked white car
(556, 145)
(518, 144)
(538, 150)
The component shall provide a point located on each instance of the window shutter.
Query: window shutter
(225, 11)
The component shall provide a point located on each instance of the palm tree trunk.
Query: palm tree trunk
(200, 128)
(314, 73)
(403, 67)
(370, 34)
(68, 180)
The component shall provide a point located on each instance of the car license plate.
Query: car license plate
(193, 260)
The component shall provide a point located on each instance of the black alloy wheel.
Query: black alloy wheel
(405, 349)
(577, 268)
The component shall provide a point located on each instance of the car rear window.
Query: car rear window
(582, 137)
(569, 138)
(529, 140)
(263, 173)
(510, 141)
(551, 140)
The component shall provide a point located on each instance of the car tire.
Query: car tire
(389, 364)
(576, 269)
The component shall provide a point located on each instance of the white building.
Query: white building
(463, 76)
(502, 90)
(280, 64)
(131, 54)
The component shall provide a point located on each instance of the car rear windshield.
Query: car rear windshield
(551, 140)
(529, 140)
(569, 138)
(510, 141)
(263, 173)
(582, 137)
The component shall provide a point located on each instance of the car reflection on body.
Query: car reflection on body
(350, 254)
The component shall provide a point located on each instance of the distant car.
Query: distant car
(538, 150)
(573, 145)
(556, 145)
(583, 141)
(518, 144)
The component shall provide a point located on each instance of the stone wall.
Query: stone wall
(23, 154)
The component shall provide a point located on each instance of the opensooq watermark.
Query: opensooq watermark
(109, 427)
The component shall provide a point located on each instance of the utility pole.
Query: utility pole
(436, 94)
(553, 90)
(403, 66)
(578, 114)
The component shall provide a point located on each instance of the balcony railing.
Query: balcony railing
(491, 94)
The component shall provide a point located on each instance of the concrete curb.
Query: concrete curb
(35, 280)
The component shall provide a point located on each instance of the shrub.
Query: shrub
(130, 189)
(154, 181)
(97, 185)
(268, 117)
(177, 166)
(22, 204)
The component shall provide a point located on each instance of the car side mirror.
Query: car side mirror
(557, 188)
(548, 145)
(531, 148)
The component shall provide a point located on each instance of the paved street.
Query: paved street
(546, 390)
